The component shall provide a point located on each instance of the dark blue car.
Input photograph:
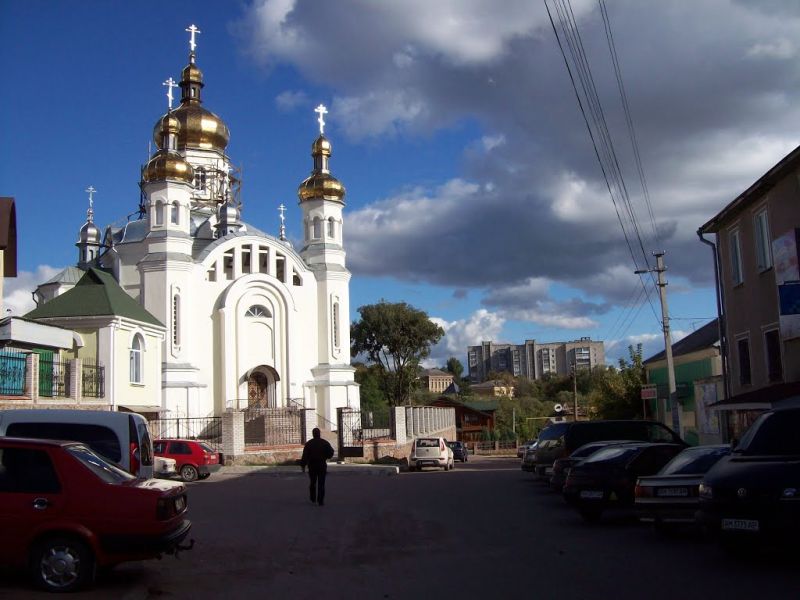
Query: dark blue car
(460, 451)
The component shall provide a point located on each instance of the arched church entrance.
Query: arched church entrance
(261, 387)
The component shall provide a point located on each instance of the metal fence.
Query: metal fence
(12, 373)
(93, 377)
(53, 377)
(205, 429)
(273, 426)
(376, 424)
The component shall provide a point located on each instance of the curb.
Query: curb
(290, 471)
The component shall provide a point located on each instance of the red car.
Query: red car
(65, 511)
(195, 460)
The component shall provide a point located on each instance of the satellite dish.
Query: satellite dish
(558, 408)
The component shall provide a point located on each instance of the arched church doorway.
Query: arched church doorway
(261, 387)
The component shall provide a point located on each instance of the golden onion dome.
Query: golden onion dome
(166, 125)
(200, 128)
(321, 146)
(167, 165)
(192, 73)
(321, 185)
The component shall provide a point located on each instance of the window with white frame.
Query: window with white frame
(763, 252)
(174, 213)
(258, 312)
(737, 275)
(136, 359)
(158, 213)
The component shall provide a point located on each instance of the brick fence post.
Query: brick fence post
(399, 423)
(76, 379)
(232, 434)
(32, 376)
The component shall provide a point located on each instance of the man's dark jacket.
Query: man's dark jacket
(316, 452)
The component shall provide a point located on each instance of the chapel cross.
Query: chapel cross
(91, 191)
(170, 83)
(282, 235)
(322, 111)
(282, 209)
(192, 30)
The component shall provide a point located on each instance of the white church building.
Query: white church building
(248, 320)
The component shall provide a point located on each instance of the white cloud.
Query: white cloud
(289, 100)
(377, 112)
(481, 325)
(781, 49)
(490, 142)
(17, 298)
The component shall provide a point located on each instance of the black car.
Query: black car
(754, 493)
(460, 451)
(671, 496)
(608, 477)
(562, 466)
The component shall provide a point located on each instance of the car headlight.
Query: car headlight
(705, 491)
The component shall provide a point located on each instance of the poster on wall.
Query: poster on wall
(707, 417)
(784, 257)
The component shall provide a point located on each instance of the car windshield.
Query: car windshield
(552, 432)
(427, 443)
(695, 461)
(206, 447)
(102, 468)
(613, 454)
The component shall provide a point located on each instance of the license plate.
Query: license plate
(673, 492)
(591, 495)
(740, 524)
(180, 504)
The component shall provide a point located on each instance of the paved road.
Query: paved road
(485, 530)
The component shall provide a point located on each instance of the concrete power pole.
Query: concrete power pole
(575, 390)
(662, 292)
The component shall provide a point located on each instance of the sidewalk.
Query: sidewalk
(333, 468)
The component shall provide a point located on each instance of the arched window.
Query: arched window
(200, 179)
(331, 228)
(174, 214)
(158, 213)
(258, 311)
(136, 359)
(317, 228)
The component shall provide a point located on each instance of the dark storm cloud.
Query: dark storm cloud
(713, 89)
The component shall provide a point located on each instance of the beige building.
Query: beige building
(436, 381)
(758, 286)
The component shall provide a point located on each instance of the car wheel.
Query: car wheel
(591, 515)
(62, 564)
(189, 473)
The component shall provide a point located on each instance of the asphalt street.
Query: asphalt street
(484, 530)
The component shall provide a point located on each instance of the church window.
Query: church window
(174, 213)
(263, 259)
(280, 266)
(331, 228)
(227, 264)
(158, 213)
(136, 359)
(200, 179)
(317, 228)
(176, 315)
(258, 311)
(246, 260)
(211, 274)
(296, 280)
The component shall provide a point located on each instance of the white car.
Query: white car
(430, 452)
(165, 467)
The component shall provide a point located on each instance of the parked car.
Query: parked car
(65, 510)
(562, 466)
(522, 448)
(460, 451)
(529, 460)
(165, 468)
(608, 477)
(754, 493)
(120, 437)
(430, 452)
(671, 496)
(562, 439)
(195, 460)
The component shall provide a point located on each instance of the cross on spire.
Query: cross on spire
(193, 30)
(282, 209)
(170, 83)
(90, 212)
(321, 110)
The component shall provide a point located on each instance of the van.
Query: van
(561, 439)
(120, 437)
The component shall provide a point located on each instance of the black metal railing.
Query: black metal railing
(273, 426)
(376, 424)
(53, 377)
(93, 378)
(204, 429)
(12, 373)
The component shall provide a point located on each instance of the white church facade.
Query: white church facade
(249, 321)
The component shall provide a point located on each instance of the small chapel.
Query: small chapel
(196, 311)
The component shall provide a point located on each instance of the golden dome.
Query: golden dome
(199, 128)
(166, 125)
(323, 186)
(192, 72)
(168, 165)
(321, 146)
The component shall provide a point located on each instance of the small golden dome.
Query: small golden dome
(322, 186)
(192, 72)
(166, 125)
(168, 165)
(321, 146)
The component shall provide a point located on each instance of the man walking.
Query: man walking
(316, 453)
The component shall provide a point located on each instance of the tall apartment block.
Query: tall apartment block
(533, 359)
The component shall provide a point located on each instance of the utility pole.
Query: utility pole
(662, 292)
(575, 390)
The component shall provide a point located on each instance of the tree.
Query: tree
(618, 391)
(395, 336)
(455, 367)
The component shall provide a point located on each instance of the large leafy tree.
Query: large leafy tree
(617, 391)
(455, 367)
(396, 337)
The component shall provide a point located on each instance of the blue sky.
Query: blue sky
(473, 192)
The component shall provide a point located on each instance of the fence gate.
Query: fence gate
(205, 429)
(351, 435)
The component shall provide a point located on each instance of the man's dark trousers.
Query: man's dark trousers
(316, 476)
